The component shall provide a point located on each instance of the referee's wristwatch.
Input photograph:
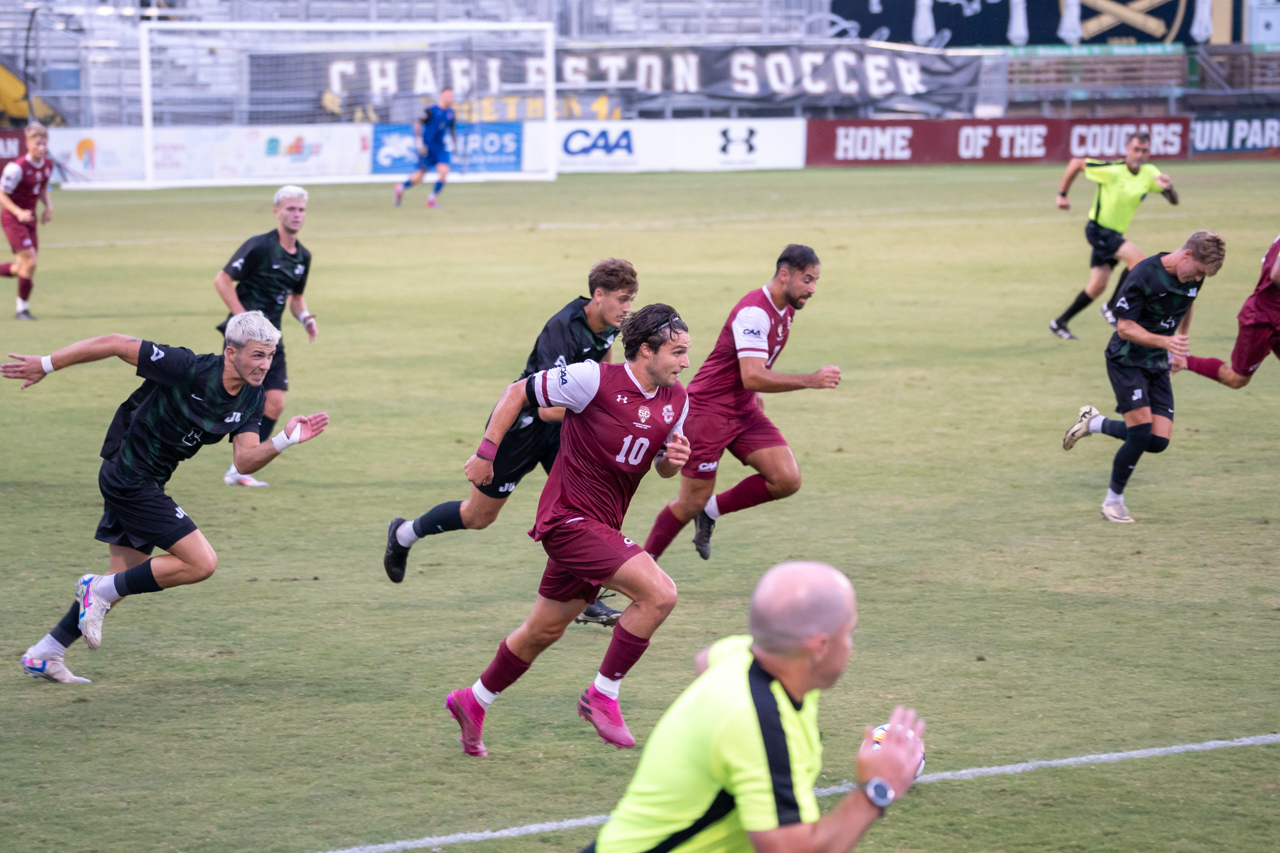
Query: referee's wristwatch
(879, 792)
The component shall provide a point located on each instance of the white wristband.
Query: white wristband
(47, 363)
(282, 439)
(305, 316)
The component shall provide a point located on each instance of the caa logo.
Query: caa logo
(708, 466)
(580, 143)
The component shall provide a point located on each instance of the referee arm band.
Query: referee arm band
(47, 363)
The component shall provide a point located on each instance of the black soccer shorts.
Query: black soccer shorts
(139, 515)
(521, 451)
(1136, 387)
(1105, 243)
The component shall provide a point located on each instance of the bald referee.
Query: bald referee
(732, 764)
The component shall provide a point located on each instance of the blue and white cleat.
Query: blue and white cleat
(93, 610)
(50, 669)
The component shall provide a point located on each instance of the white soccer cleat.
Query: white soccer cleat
(235, 478)
(93, 609)
(50, 669)
(1118, 513)
(1079, 429)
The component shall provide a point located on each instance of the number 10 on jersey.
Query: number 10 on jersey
(637, 450)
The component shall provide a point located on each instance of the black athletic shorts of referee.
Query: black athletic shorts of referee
(1122, 185)
(185, 402)
(582, 330)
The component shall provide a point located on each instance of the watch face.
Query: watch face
(881, 790)
(880, 793)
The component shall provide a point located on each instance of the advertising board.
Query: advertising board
(1236, 135)
(694, 145)
(487, 147)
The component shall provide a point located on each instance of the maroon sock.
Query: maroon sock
(505, 670)
(666, 527)
(24, 288)
(1207, 367)
(624, 650)
(751, 491)
(6, 270)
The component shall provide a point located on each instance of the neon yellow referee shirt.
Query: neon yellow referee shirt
(732, 755)
(1119, 191)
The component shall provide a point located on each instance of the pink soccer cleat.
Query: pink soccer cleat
(399, 194)
(603, 713)
(469, 713)
(431, 202)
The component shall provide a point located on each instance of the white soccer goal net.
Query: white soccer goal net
(250, 103)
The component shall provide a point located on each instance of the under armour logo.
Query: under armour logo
(622, 398)
(156, 353)
(729, 141)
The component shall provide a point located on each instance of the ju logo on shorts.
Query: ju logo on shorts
(1137, 394)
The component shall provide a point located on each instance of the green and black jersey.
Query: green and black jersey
(181, 406)
(734, 754)
(265, 274)
(566, 339)
(1120, 191)
(1154, 299)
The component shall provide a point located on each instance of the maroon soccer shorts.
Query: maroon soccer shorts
(1253, 343)
(21, 235)
(711, 434)
(581, 556)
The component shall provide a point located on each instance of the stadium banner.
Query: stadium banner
(691, 145)
(1235, 135)
(492, 84)
(489, 147)
(858, 143)
(13, 144)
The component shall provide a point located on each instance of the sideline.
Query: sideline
(842, 788)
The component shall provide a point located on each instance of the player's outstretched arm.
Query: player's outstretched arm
(32, 368)
(840, 830)
(479, 468)
(757, 377)
(251, 454)
(1074, 167)
(1166, 188)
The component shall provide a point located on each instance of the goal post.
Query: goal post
(244, 103)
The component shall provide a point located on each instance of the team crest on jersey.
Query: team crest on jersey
(668, 414)
(643, 413)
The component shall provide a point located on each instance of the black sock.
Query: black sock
(67, 631)
(439, 519)
(1135, 444)
(1081, 303)
(137, 580)
(1114, 428)
(264, 431)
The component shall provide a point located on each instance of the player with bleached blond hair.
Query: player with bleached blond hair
(265, 274)
(185, 402)
(22, 183)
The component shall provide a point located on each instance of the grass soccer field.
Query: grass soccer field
(293, 702)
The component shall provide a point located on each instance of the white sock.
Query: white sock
(1113, 498)
(405, 535)
(712, 508)
(483, 694)
(232, 470)
(1095, 425)
(104, 586)
(22, 305)
(609, 686)
(47, 648)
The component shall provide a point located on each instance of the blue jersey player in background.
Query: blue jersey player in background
(430, 130)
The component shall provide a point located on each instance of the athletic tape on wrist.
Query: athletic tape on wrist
(305, 316)
(47, 363)
(283, 439)
(488, 451)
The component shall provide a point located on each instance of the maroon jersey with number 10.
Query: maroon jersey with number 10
(611, 435)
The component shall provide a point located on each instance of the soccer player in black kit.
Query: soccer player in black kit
(1153, 310)
(265, 274)
(582, 330)
(185, 402)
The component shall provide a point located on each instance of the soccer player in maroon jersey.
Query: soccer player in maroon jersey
(1259, 334)
(620, 420)
(23, 182)
(726, 406)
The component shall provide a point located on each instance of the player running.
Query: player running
(1122, 186)
(265, 274)
(1153, 320)
(726, 407)
(186, 402)
(583, 330)
(432, 152)
(1259, 334)
(620, 420)
(22, 183)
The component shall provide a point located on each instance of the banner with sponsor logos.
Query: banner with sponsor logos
(494, 147)
(856, 143)
(1236, 135)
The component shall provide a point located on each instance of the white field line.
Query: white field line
(842, 788)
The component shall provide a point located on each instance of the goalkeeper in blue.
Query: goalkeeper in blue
(432, 153)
